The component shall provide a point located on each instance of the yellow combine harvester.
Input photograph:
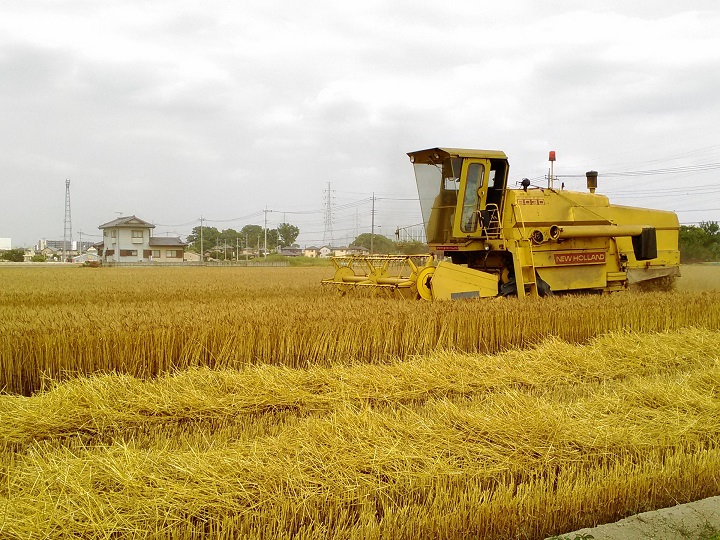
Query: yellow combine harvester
(526, 242)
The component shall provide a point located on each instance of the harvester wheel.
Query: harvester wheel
(340, 273)
(423, 283)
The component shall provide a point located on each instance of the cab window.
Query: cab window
(475, 175)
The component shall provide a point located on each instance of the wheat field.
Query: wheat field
(191, 402)
(61, 323)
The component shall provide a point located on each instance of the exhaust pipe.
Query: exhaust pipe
(591, 177)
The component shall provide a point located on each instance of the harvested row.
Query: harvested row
(241, 323)
(520, 444)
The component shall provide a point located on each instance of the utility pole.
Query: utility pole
(202, 248)
(80, 244)
(265, 248)
(372, 227)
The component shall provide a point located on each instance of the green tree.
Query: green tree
(711, 228)
(380, 244)
(272, 239)
(210, 236)
(14, 255)
(252, 236)
(700, 243)
(287, 234)
(229, 236)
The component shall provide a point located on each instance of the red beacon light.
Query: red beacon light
(551, 176)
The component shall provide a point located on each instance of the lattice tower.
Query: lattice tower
(67, 229)
(328, 199)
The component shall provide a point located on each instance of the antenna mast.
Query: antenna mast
(67, 229)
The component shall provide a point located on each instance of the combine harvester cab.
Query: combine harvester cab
(487, 240)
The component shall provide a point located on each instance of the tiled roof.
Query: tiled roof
(166, 241)
(126, 221)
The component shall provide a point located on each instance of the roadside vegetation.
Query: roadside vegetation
(700, 243)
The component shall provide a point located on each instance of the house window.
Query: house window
(109, 252)
(113, 233)
(128, 252)
(155, 253)
(173, 254)
(137, 233)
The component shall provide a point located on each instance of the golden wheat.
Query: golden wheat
(59, 323)
(522, 444)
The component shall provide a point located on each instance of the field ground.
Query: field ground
(177, 403)
(699, 520)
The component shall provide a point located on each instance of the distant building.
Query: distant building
(129, 239)
(357, 250)
(5, 243)
(29, 254)
(311, 251)
(91, 255)
(349, 251)
(339, 251)
(290, 251)
(59, 245)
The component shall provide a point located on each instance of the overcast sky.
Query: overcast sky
(172, 110)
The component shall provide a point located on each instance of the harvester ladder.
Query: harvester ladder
(524, 263)
(493, 226)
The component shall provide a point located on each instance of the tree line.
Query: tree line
(224, 243)
(249, 237)
(700, 242)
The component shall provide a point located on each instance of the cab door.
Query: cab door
(471, 198)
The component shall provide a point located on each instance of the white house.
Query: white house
(129, 239)
(167, 249)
